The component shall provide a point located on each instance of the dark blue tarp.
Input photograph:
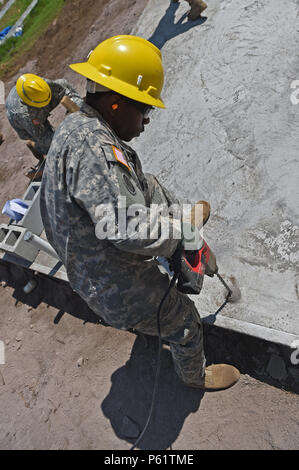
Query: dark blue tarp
(4, 32)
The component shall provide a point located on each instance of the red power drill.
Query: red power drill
(191, 266)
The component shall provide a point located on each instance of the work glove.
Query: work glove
(199, 214)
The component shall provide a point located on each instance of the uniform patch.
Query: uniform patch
(129, 185)
(120, 157)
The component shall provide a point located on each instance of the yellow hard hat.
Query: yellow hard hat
(33, 90)
(128, 65)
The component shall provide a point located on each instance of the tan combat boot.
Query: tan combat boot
(197, 7)
(219, 377)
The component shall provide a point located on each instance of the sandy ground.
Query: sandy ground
(69, 383)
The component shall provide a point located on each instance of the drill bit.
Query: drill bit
(234, 293)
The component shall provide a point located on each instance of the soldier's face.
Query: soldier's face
(131, 119)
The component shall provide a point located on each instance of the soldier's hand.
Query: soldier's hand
(199, 214)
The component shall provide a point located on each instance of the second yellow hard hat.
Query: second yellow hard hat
(128, 65)
(33, 90)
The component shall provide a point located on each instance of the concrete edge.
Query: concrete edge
(250, 329)
(246, 328)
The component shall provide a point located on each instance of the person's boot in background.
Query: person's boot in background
(197, 7)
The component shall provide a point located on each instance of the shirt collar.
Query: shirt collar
(91, 112)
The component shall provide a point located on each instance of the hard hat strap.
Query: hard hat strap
(93, 87)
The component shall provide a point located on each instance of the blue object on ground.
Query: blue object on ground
(4, 32)
(18, 32)
(15, 209)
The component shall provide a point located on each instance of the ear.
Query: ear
(113, 104)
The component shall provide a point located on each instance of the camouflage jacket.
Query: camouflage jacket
(88, 166)
(22, 117)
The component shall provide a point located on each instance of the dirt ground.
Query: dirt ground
(69, 382)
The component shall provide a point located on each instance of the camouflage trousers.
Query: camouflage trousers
(181, 327)
(180, 323)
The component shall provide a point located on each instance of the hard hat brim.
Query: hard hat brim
(114, 84)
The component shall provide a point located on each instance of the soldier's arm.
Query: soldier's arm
(61, 88)
(34, 129)
(157, 191)
(42, 143)
(22, 133)
(111, 195)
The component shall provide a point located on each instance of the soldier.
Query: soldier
(90, 167)
(197, 7)
(29, 105)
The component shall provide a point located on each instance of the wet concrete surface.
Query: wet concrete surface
(229, 135)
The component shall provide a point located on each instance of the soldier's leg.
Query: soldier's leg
(181, 326)
(188, 352)
(180, 322)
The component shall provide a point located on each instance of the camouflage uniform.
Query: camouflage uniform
(21, 116)
(119, 279)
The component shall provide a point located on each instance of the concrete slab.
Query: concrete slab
(230, 135)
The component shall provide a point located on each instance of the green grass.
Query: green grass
(2, 5)
(35, 24)
(14, 13)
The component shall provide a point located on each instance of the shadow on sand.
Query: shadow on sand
(129, 400)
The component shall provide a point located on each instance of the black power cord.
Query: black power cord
(172, 282)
